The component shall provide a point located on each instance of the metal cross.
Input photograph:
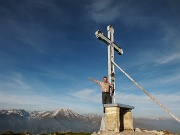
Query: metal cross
(111, 47)
(111, 73)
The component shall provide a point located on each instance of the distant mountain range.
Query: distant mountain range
(47, 121)
(168, 124)
(18, 120)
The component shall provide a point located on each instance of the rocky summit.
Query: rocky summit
(137, 131)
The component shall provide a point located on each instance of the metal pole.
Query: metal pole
(155, 100)
(109, 55)
(111, 72)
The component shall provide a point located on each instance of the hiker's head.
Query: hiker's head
(105, 79)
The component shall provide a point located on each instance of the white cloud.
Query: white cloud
(143, 99)
(14, 81)
(99, 13)
(89, 100)
(142, 102)
(88, 95)
(170, 79)
(170, 44)
(169, 58)
(147, 107)
(54, 73)
(171, 34)
(33, 101)
(129, 12)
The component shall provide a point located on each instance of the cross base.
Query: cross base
(118, 117)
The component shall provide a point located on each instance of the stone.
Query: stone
(155, 132)
(102, 128)
(117, 117)
(128, 120)
(94, 133)
(99, 132)
(138, 130)
(112, 118)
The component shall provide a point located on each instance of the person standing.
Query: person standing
(107, 89)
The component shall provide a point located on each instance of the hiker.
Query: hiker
(107, 89)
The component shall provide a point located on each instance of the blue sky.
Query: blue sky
(48, 50)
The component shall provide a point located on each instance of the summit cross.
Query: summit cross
(111, 48)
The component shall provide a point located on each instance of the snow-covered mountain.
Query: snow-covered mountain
(47, 121)
(40, 114)
(63, 113)
(20, 112)
(67, 120)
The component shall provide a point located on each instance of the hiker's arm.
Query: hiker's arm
(112, 88)
(96, 81)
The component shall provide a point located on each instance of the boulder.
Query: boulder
(138, 130)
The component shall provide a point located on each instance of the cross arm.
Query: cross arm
(105, 39)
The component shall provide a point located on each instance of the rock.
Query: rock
(99, 132)
(158, 132)
(154, 132)
(105, 133)
(94, 133)
(138, 130)
(102, 128)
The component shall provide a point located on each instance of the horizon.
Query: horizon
(49, 50)
(143, 117)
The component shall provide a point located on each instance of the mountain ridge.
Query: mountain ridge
(64, 119)
(64, 112)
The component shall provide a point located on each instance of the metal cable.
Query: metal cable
(155, 100)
